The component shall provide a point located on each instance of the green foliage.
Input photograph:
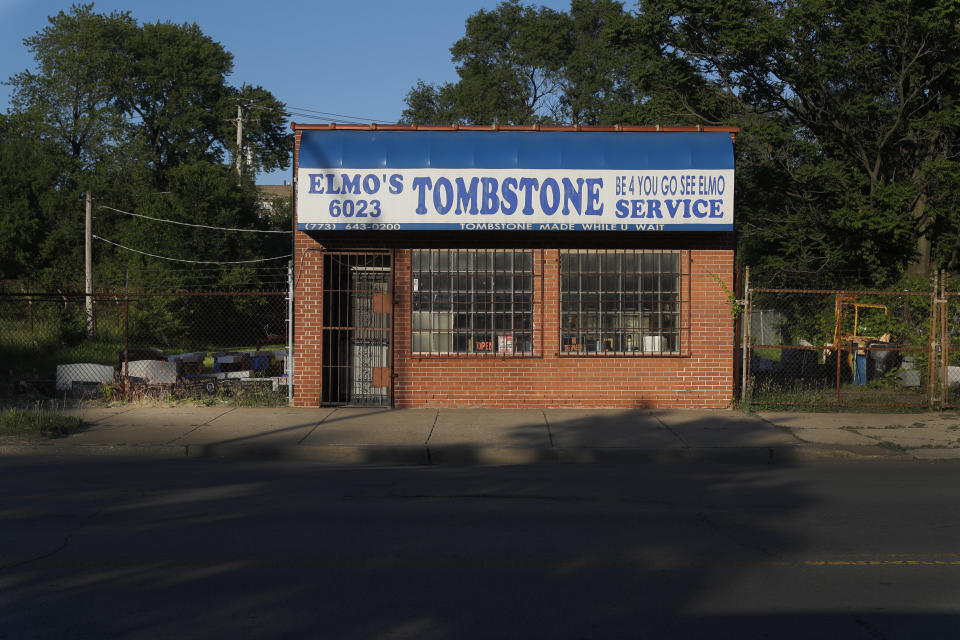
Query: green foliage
(29, 194)
(37, 423)
(431, 105)
(524, 65)
(509, 62)
(268, 143)
(73, 88)
(812, 317)
(37, 337)
(847, 155)
(854, 108)
(174, 85)
(142, 116)
(736, 306)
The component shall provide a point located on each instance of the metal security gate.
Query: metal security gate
(357, 326)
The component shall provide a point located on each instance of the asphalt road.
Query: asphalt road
(105, 548)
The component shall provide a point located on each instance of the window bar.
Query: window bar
(484, 292)
(658, 299)
(393, 323)
(643, 300)
(685, 260)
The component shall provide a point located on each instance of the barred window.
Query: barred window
(620, 302)
(468, 301)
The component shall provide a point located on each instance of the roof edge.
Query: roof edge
(333, 126)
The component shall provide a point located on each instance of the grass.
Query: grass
(241, 394)
(915, 425)
(37, 423)
(768, 353)
(892, 446)
(802, 395)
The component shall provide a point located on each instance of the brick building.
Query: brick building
(513, 267)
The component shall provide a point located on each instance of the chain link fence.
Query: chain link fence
(799, 348)
(838, 348)
(227, 346)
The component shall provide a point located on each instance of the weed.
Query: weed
(892, 446)
(37, 423)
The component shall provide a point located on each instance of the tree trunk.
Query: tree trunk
(920, 267)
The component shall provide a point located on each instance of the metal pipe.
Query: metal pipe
(126, 350)
(745, 329)
(838, 311)
(289, 362)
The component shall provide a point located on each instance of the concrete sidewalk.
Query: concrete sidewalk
(501, 436)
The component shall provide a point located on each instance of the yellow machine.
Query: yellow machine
(840, 338)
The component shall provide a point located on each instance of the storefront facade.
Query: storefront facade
(516, 267)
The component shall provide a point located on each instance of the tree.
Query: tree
(144, 116)
(174, 91)
(510, 64)
(608, 71)
(595, 65)
(432, 105)
(76, 55)
(854, 106)
(29, 174)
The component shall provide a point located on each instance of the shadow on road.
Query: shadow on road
(188, 548)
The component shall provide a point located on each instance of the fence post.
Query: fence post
(126, 337)
(30, 305)
(838, 330)
(944, 339)
(933, 342)
(746, 321)
(126, 349)
(289, 359)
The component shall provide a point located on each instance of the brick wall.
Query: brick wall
(701, 377)
(307, 313)
(307, 321)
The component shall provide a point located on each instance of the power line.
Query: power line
(211, 271)
(319, 115)
(152, 255)
(187, 224)
(304, 110)
(326, 114)
(315, 118)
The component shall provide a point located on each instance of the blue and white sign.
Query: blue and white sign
(514, 181)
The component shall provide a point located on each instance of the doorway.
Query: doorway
(357, 327)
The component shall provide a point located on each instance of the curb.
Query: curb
(94, 450)
(468, 455)
(330, 454)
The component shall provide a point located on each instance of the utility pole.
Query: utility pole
(88, 263)
(239, 156)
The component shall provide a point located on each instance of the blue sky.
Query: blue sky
(354, 58)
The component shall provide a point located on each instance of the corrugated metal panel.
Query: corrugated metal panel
(515, 149)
